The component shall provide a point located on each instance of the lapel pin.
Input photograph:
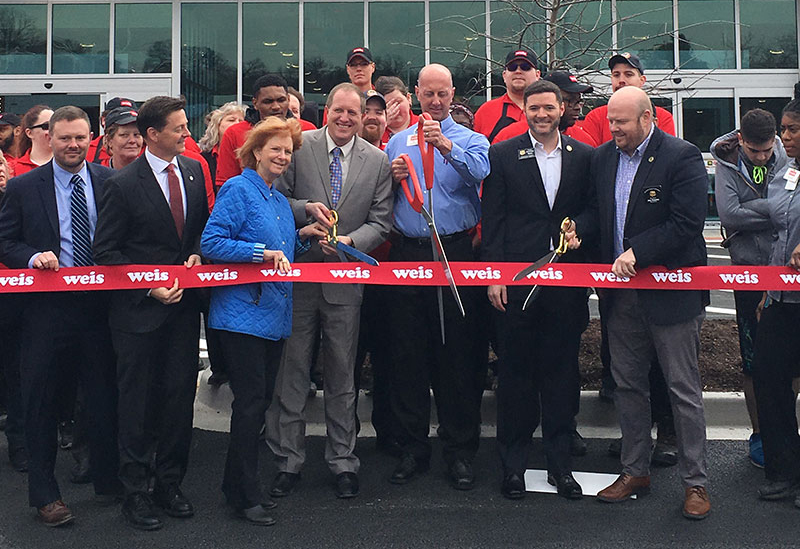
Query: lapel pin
(191, 178)
(651, 159)
(569, 148)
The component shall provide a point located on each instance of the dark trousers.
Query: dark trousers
(747, 325)
(776, 364)
(10, 334)
(252, 366)
(53, 323)
(540, 377)
(157, 377)
(374, 337)
(455, 369)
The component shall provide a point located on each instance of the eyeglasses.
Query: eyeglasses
(44, 126)
(512, 67)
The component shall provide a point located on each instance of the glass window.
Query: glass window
(645, 29)
(583, 35)
(705, 119)
(769, 34)
(706, 35)
(397, 39)
(511, 27)
(208, 59)
(331, 30)
(270, 43)
(770, 104)
(80, 38)
(143, 38)
(456, 42)
(23, 39)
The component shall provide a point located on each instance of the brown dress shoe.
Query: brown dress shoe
(697, 505)
(55, 514)
(623, 488)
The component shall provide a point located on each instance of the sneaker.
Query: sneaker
(756, 450)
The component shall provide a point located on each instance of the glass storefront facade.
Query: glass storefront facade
(707, 60)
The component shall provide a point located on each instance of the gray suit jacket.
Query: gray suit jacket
(365, 206)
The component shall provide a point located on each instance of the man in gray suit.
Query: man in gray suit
(347, 174)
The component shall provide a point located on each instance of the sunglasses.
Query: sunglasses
(512, 67)
(44, 126)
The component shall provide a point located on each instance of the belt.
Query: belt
(426, 241)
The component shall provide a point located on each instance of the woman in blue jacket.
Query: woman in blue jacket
(251, 222)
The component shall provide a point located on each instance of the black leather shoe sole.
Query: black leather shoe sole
(255, 516)
(139, 525)
(407, 476)
(779, 490)
(284, 484)
(513, 489)
(566, 490)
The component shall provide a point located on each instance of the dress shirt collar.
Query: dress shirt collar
(538, 145)
(157, 164)
(62, 177)
(346, 148)
(642, 146)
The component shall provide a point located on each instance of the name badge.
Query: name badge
(791, 177)
(526, 154)
(411, 140)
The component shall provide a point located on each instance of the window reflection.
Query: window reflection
(769, 34)
(23, 39)
(143, 38)
(80, 38)
(510, 27)
(208, 59)
(583, 35)
(706, 34)
(705, 119)
(773, 105)
(397, 39)
(646, 29)
(270, 42)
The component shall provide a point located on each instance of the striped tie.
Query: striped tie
(336, 176)
(81, 241)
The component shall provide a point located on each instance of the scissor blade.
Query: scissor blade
(549, 257)
(534, 293)
(356, 254)
(442, 257)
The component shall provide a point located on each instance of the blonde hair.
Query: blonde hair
(263, 132)
(212, 137)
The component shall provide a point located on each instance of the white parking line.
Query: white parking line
(721, 311)
(711, 256)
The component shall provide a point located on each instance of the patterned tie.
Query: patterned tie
(336, 176)
(81, 241)
(175, 199)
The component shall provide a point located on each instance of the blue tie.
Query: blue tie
(81, 241)
(336, 176)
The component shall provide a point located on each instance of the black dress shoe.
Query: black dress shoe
(775, 490)
(217, 378)
(407, 469)
(577, 446)
(268, 504)
(566, 485)
(19, 459)
(284, 484)
(81, 472)
(140, 513)
(389, 447)
(461, 475)
(174, 503)
(346, 485)
(256, 515)
(513, 487)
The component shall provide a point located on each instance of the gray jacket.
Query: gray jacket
(784, 210)
(742, 205)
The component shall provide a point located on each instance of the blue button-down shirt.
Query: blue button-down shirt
(626, 172)
(63, 187)
(457, 178)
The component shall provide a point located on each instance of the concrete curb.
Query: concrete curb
(726, 414)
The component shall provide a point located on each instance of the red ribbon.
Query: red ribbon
(128, 277)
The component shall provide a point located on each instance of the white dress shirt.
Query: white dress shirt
(344, 157)
(549, 167)
(159, 168)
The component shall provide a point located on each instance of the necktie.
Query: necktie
(336, 176)
(81, 241)
(175, 199)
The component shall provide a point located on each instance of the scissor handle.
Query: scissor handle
(425, 151)
(333, 237)
(416, 199)
(562, 243)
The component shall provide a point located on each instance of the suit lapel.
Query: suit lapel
(152, 190)
(194, 188)
(356, 164)
(643, 172)
(531, 166)
(319, 148)
(607, 194)
(564, 184)
(47, 192)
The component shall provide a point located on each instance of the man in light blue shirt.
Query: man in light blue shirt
(461, 159)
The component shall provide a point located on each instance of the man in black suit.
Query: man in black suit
(153, 212)
(48, 217)
(651, 194)
(537, 179)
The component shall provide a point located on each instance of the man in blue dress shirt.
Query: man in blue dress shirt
(456, 369)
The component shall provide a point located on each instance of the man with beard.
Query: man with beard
(373, 122)
(10, 136)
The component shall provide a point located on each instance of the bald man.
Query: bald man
(651, 195)
(455, 368)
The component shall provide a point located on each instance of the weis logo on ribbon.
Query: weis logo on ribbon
(481, 274)
(673, 276)
(608, 276)
(546, 274)
(420, 273)
(92, 278)
(741, 278)
(357, 273)
(19, 280)
(226, 274)
(156, 275)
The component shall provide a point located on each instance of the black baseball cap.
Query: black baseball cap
(372, 94)
(627, 58)
(567, 82)
(359, 51)
(10, 119)
(522, 54)
(118, 102)
(121, 116)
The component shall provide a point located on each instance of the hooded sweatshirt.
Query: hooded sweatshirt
(741, 203)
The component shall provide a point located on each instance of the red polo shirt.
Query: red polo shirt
(596, 123)
(23, 164)
(488, 115)
(387, 135)
(521, 127)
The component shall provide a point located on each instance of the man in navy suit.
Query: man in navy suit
(537, 179)
(651, 195)
(47, 222)
(153, 213)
